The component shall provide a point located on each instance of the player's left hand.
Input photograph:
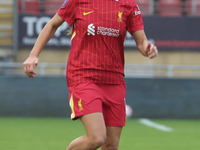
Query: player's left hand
(151, 50)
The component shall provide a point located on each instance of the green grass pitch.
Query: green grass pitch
(57, 133)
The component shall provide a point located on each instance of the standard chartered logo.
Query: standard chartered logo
(90, 29)
(102, 31)
(108, 31)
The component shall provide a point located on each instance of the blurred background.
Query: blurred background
(165, 87)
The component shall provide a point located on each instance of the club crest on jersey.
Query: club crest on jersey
(120, 16)
(64, 4)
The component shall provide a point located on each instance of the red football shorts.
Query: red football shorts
(86, 98)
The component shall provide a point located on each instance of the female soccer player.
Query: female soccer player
(95, 67)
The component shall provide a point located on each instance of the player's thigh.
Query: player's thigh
(94, 125)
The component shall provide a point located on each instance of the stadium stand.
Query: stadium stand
(173, 8)
(170, 8)
(29, 6)
(146, 6)
(193, 7)
(51, 6)
(6, 27)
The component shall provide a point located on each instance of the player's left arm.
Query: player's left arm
(144, 46)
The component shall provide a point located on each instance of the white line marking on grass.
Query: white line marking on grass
(150, 123)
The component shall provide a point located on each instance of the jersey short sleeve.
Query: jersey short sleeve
(68, 11)
(135, 21)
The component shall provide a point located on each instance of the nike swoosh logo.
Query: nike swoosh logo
(86, 13)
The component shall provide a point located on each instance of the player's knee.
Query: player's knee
(97, 141)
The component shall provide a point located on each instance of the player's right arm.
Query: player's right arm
(45, 35)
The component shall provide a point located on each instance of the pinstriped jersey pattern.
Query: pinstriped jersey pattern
(99, 29)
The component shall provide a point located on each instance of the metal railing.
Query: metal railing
(166, 71)
(131, 70)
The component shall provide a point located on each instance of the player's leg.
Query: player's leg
(112, 139)
(86, 104)
(95, 130)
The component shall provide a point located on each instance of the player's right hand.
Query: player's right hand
(29, 64)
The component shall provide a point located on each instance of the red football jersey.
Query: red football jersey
(99, 30)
